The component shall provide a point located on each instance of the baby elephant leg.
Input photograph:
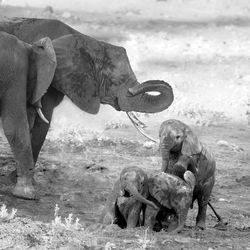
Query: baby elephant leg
(202, 210)
(203, 199)
(182, 216)
(134, 215)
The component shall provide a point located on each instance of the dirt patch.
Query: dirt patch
(80, 180)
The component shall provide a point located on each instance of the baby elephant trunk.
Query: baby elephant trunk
(190, 179)
(133, 191)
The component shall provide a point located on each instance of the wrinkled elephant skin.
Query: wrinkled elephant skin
(62, 62)
(174, 196)
(127, 199)
(177, 139)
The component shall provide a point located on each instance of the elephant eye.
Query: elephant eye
(178, 137)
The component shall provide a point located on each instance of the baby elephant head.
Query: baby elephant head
(175, 136)
(134, 183)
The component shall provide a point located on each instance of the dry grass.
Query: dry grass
(6, 216)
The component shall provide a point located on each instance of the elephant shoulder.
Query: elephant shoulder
(161, 186)
(13, 51)
(207, 155)
(9, 41)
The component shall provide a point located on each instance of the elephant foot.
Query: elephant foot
(200, 225)
(24, 189)
(221, 226)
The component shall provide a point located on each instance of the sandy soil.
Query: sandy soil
(205, 58)
(79, 175)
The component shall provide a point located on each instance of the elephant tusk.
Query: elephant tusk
(40, 113)
(136, 120)
(140, 129)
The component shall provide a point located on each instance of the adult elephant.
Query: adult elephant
(35, 77)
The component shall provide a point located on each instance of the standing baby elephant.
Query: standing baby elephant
(127, 199)
(177, 139)
(173, 195)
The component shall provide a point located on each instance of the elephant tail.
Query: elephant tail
(190, 179)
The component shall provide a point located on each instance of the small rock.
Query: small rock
(223, 143)
(148, 144)
(182, 240)
(222, 199)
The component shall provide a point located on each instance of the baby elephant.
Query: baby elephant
(173, 195)
(177, 139)
(128, 199)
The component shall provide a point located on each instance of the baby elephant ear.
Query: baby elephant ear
(190, 179)
(45, 59)
(191, 144)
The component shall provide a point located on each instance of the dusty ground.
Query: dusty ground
(205, 57)
(78, 177)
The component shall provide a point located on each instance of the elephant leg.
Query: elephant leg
(40, 129)
(203, 199)
(133, 216)
(202, 210)
(182, 216)
(107, 216)
(16, 129)
(142, 222)
(163, 217)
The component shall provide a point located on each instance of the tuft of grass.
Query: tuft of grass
(143, 242)
(79, 141)
(5, 216)
(109, 246)
(115, 125)
(68, 223)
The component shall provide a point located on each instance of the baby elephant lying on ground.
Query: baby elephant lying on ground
(174, 196)
(128, 199)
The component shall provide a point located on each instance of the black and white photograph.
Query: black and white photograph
(125, 125)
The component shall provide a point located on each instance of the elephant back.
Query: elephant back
(164, 187)
(30, 30)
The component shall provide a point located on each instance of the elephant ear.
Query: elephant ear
(159, 188)
(191, 144)
(76, 74)
(45, 60)
(190, 179)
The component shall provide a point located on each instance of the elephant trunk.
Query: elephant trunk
(137, 99)
(165, 157)
(133, 191)
(192, 166)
